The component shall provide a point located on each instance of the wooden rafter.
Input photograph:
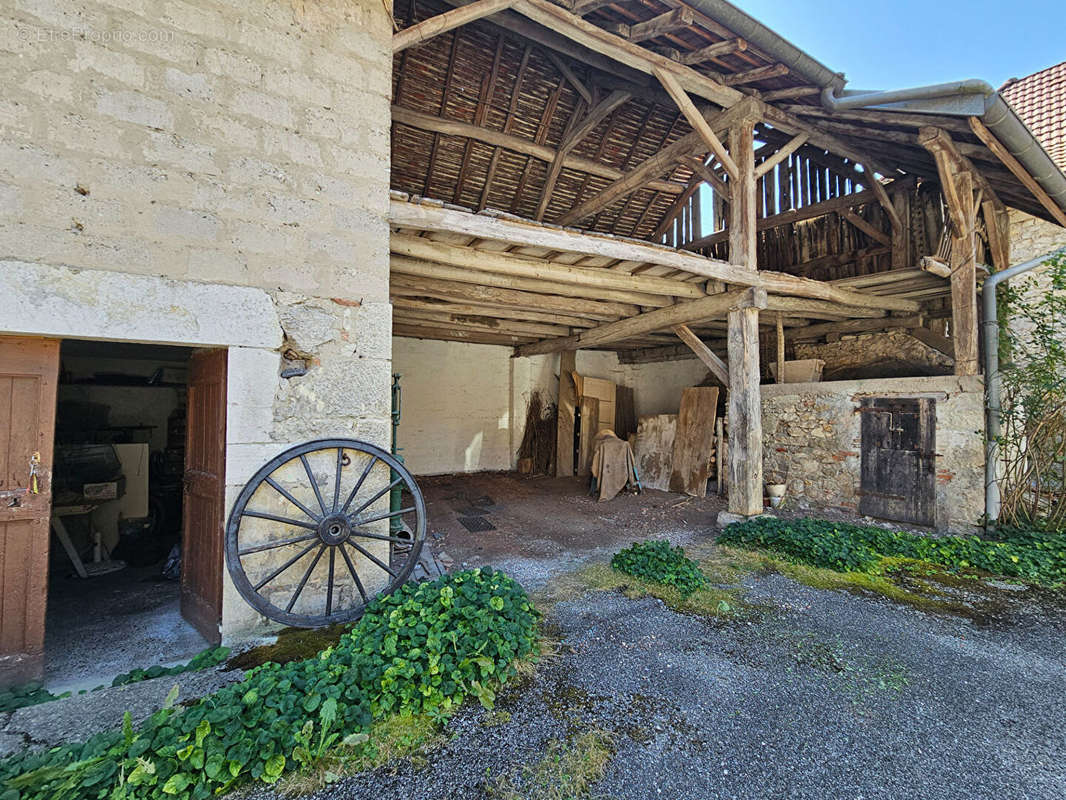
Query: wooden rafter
(449, 20)
(484, 97)
(540, 138)
(755, 75)
(696, 120)
(667, 22)
(570, 75)
(578, 128)
(449, 127)
(495, 160)
(794, 144)
(1021, 173)
(703, 353)
(712, 51)
(866, 227)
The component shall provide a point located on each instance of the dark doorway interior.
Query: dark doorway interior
(117, 516)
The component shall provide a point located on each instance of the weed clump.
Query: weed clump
(659, 562)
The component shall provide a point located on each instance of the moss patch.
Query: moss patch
(567, 772)
(707, 602)
(293, 644)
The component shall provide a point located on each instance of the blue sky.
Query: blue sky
(891, 45)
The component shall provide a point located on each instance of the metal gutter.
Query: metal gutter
(959, 98)
(993, 381)
(771, 43)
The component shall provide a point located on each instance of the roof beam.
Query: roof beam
(622, 51)
(442, 23)
(568, 73)
(754, 75)
(1021, 173)
(784, 152)
(403, 214)
(716, 50)
(697, 121)
(450, 127)
(668, 22)
(661, 162)
(710, 307)
(521, 266)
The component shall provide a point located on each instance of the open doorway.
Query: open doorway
(131, 528)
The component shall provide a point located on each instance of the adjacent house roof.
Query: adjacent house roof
(1040, 100)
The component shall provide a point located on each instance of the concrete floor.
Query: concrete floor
(102, 626)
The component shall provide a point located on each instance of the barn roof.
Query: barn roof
(1040, 100)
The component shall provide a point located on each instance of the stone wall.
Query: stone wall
(812, 441)
(152, 153)
(893, 351)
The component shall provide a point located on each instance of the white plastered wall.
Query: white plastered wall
(464, 405)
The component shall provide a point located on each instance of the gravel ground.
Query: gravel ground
(820, 695)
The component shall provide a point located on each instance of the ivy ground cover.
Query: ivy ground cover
(422, 650)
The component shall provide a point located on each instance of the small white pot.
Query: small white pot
(775, 490)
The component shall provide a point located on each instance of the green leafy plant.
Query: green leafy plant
(1032, 371)
(658, 561)
(424, 648)
(1032, 557)
(206, 659)
(30, 694)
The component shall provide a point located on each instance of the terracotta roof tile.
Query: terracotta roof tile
(1040, 101)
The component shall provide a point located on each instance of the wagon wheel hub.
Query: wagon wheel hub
(334, 530)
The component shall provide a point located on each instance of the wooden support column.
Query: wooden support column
(780, 347)
(958, 181)
(745, 399)
(564, 426)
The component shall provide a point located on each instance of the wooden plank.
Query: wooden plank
(541, 152)
(434, 26)
(696, 120)
(589, 427)
(1010, 162)
(624, 52)
(564, 428)
(779, 318)
(489, 312)
(706, 308)
(717, 367)
(997, 226)
(456, 335)
(694, 442)
(654, 450)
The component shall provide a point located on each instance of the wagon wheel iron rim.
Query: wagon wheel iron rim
(331, 521)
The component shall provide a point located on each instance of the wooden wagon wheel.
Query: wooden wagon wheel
(311, 538)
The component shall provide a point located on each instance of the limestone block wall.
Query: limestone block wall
(812, 442)
(214, 173)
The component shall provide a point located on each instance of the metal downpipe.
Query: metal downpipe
(993, 381)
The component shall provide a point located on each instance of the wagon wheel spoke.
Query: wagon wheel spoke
(259, 548)
(329, 586)
(373, 558)
(382, 515)
(314, 484)
(375, 498)
(286, 520)
(358, 484)
(379, 537)
(355, 575)
(285, 566)
(288, 496)
(303, 580)
(337, 482)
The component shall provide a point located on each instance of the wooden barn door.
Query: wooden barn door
(205, 493)
(28, 369)
(899, 460)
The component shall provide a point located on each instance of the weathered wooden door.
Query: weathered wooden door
(28, 369)
(205, 493)
(899, 460)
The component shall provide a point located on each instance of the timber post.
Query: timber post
(745, 399)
